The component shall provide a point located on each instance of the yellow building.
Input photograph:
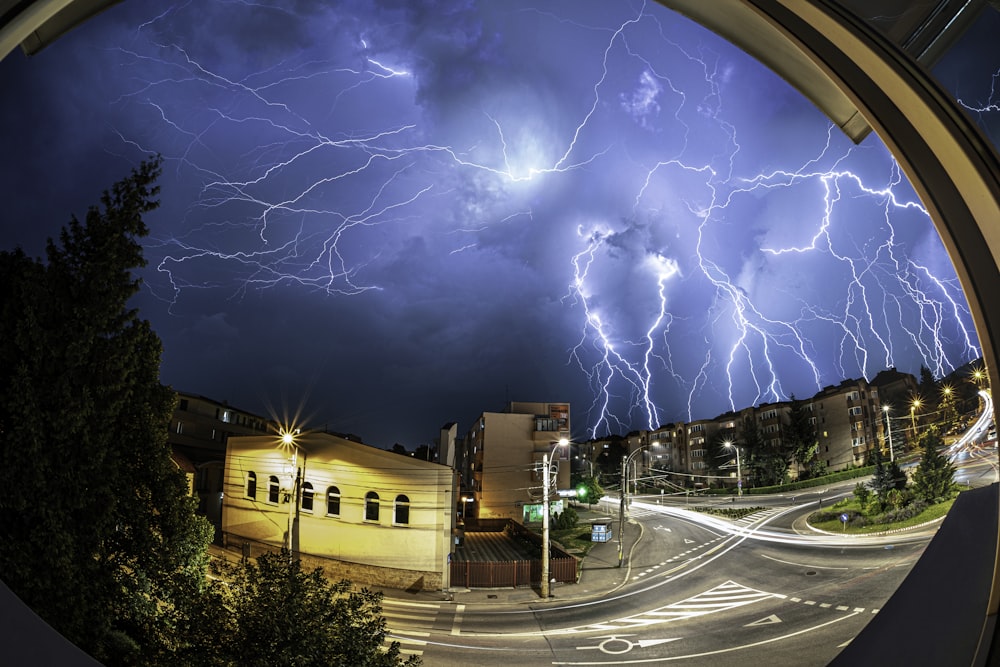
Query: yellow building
(365, 514)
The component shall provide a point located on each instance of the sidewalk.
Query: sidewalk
(599, 575)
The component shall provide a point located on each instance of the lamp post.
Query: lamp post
(888, 428)
(739, 467)
(546, 475)
(288, 440)
(623, 512)
(913, 417)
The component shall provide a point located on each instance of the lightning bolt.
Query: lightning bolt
(697, 282)
(987, 111)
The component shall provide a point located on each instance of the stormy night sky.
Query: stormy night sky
(385, 216)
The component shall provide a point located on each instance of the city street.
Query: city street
(694, 588)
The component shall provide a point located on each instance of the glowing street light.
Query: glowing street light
(288, 442)
(913, 416)
(888, 428)
(739, 469)
(546, 477)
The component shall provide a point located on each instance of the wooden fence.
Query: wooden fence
(511, 573)
(515, 573)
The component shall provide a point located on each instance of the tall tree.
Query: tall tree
(934, 477)
(720, 459)
(802, 438)
(947, 409)
(588, 488)
(100, 537)
(927, 385)
(757, 460)
(883, 479)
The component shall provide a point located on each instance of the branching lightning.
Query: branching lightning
(706, 280)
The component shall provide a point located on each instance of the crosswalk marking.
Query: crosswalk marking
(728, 595)
(407, 623)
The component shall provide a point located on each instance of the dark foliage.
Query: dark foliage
(100, 537)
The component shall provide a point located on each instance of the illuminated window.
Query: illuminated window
(252, 485)
(371, 506)
(227, 416)
(272, 489)
(333, 501)
(307, 497)
(401, 511)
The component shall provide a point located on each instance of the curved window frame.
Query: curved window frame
(273, 490)
(401, 511)
(332, 501)
(371, 507)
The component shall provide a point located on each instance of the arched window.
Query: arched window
(252, 485)
(307, 497)
(401, 511)
(333, 501)
(272, 489)
(371, 506)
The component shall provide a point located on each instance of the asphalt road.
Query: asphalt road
(718, 593)
(697, 590)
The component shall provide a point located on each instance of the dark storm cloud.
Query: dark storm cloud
(386, 216)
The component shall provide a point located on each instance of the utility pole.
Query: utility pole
(546, 484)
(545, 526)
(622, 510)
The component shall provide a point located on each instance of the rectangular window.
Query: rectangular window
(180, 427)
(856, 411)
(227, 416)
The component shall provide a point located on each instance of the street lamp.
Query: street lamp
(888, 428)
(739, 467)
(546, 476)
(913, 416)
(623, 510)
(288, 441)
